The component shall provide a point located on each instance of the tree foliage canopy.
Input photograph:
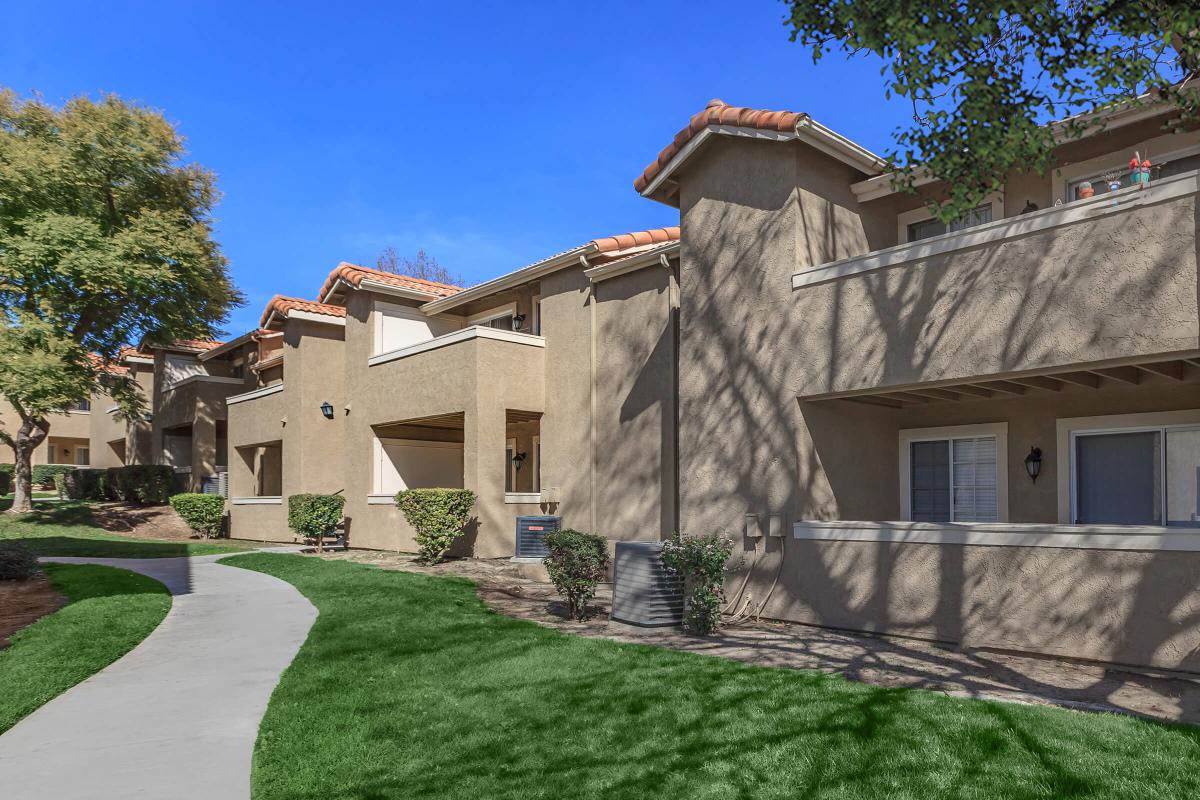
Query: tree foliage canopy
(105, 238)
(986, 76)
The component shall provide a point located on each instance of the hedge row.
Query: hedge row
(148, 484)
(43, 475)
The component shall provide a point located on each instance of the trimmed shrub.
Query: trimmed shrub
(16, 561)
(45, 475)
(81, 484)
(701, 562)
(202, 512)
(577, 562)
(437, 516)
(148, 484)
(314, 515)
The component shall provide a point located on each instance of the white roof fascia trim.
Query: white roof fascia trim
(1004, 534)
(1103, 205)
(256, 501)
(395, 291)
(274, 388)
(138, 359)
(523, 275)
(313, 317)
(230, 345)
(832, 143)
(201, 379)
(631, 263)
(807, 130)
(463, 335)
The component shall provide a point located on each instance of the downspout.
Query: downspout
(592, 388)
(673, 302)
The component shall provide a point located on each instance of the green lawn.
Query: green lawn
(67, 529)
(408, 686)
(108, 613)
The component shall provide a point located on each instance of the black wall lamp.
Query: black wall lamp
(1033, 463)
(519, 459)
(327, 409)
(518, 322)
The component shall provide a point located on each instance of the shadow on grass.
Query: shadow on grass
(452, 700)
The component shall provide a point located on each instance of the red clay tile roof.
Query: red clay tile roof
(282, 305)
(354, 275)
(197, 344)
(112, 368)
(625, 241)
(718, 112)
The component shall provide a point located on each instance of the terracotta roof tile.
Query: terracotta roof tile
(626, 241)
(111, 367)
(354, 275)
(718, 112)
(282, 305)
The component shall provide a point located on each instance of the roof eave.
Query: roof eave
(512, 279)
(233, 344)
(631, 263)
(807, 130)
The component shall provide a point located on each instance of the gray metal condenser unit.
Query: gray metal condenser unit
(531, 535)
(644, 591)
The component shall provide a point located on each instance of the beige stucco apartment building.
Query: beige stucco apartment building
(860, 389)
(986, 433)
(183, 385)
(548, 390)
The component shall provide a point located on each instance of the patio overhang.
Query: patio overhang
(1095, 376)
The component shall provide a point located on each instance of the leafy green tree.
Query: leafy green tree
(105, 238)
(986, 76)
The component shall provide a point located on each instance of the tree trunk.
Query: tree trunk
(33, 432)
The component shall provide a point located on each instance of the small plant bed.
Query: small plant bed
(107, 612)
(451, 700)
(108, 530)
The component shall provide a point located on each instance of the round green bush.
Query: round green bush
(202, 512)
(313, 515)
(437, 517)
(577, 563)
(16, 561)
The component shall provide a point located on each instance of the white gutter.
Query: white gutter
(629, 264)
(379, 287)
(523, 275)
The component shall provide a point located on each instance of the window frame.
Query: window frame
(1161, 429)
(997, 430)
(484, 317)
(923, 214)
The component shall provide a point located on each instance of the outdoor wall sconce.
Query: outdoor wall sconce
(327, 409)
(518, 322)
(518, 460)
(1033, 463)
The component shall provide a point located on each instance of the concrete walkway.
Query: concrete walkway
(177, 716)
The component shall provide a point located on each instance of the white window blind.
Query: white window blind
(954, 480)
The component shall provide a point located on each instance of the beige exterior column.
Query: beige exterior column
(204, 449)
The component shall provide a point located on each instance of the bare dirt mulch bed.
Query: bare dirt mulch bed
(24, 602)
(141, 522)
(880, 660)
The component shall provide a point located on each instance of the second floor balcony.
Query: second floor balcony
(1104, 279)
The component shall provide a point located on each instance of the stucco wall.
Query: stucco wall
(751, 347)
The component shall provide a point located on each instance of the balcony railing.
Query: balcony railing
(1077, 211)
(464, 335)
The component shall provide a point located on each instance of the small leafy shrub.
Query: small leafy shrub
(16, 561)
(314, 515)
(202, 512)
(437, 516)
(577, 562)
(701, 563)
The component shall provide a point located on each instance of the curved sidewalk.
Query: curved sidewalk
(178, 715)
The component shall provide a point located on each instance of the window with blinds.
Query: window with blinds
(954, 480)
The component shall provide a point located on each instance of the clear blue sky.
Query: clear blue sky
(489, 134)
